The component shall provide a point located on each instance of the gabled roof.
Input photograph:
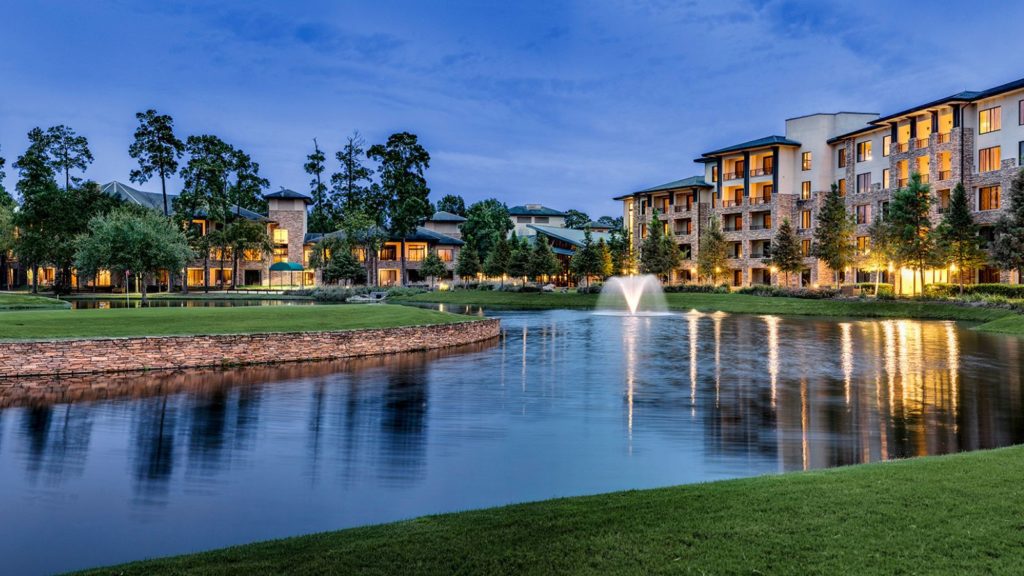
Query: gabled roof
(533, 210)
(758, 143)
(420, 235)
(857, 132)
(443, 216)
(155, 200)
(691, 182)
(286, 194)
(570, 235)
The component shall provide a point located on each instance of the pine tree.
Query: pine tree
(785, 252)
(322, 216)
(712, 250)
(880, 253)
(833, 234)
(623, 255)
(659, 254)
(519, 264)
(912, 234)
(468, 265)
(497, 262)
(433, 267)
(958, 235)
(1008, 250)
(604, 258)
(586, 261)
(543, 261)
(157, 149)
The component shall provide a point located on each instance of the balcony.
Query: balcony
(902, 182)
(760, 227)
(920, 143)
(733, 176)
(682, 232)
(762, 172)
(731, 203)
(733, 228)
(764, 254)
(680, 208)
(925, 178)
(942, 137)
(945, 174)
(757, 200)
(902, 146)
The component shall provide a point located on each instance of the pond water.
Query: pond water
(91, 303)
(114, 468)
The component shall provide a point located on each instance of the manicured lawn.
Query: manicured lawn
(1010, 324)
(957, 514)
(209, 320)
(13, 301)
(734, 303)
(194, 295)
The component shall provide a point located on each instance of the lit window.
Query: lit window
(863, 214)
(415, 252)
(885, 178)
(280, 235)
(281, 254)
(842, 186)
(989, 159)
(805, 190)
(842, 157)
(886, 144)
(863, 243)
(864, 151)
(863, 182)
(714, 173)
(805, 219)
(805, 247)
(805, 161)
(990, 120)
(989, 197)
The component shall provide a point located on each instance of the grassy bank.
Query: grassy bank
(200, 295)
(27, 325)
(734, 303)
(13, 301)
(942, 515)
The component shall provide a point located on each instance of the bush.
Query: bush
(869, 287)
(697, 289)
(953, 290)
(592, 289)
(780, 292)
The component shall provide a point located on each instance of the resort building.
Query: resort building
(523, 216)
(976, 138)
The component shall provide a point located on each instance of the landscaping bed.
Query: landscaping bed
(957, 514)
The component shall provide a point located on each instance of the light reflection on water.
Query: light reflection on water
(105, 469)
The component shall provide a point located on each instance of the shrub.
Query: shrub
(778, 291)
(697, 288)
(953, 290)
(869, 287)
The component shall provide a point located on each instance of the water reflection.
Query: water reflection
(563, 403)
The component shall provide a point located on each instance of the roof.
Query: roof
(691, 182)
(286, 194)
(533, 210)
(758, 143)
(857, 132)
(420, 235)
(443, 216)
(965, 96)
(155, 200)
(570, 235)
(593, 224)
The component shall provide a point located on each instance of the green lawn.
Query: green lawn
(961, 514)
(192, 295)
(14, 301)
(26, 325)
(734, 303)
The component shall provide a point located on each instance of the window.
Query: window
(842, 186)
(863, 212)
(1020, 154)
(415, 252)
(805, 219)
(252, 255)
(988, 159)
(990, 120)
(1020, 113)
(863, 182)
(842, 157)
(885, 178)
(943, 200)
(863, 245)
(805, 190)
(280, 235)
(541, 219)
(389, 253)
(988, 198)
(805, 247)
(195, 277)
(280, 254)
(445, 254)
(884, 209)
(198, 227)
(864, 151)
(886, 144)
(523, 219)
(714, 173)
(805, 161)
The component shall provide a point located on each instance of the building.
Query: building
(976, 138)
(523, 216)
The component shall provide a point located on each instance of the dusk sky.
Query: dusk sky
(567, 104)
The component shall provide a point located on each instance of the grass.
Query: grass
(1009, 324)
(192, 295)
(734, 303)
(961, 514)
(49, 324)
(14, 301)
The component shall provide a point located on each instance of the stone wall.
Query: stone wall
(68, 357)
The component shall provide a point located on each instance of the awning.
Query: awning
(285, 267)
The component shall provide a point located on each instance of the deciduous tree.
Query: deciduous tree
(576, 219)
(519, 264)
(246, 239)
(433, 267)
(586, 260)
(452, 203)
(497, 262)
(468, 265)
(486, 221)
(543, 261)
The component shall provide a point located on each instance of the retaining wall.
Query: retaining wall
(91, 356)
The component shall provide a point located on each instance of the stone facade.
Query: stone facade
(70, 357)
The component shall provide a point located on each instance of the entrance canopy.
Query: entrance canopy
(285, 267)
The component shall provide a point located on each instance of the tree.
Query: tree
(361, 230)
(497, 263)
(67, 151)
(785, 252)
(604, 258)
(468, 265)
(322, 216)
(245, 237)
(614, 223)
(659, 254)
(912, 234)
(958, 235)
(402, 163)
(712, 251)
(519, 264)
(433, 267)
(6, 242)
(1008, 248)
(576, 220)
(623, 255)
(37, 186)
(586, 260)
(543, 261)
(333, 257)
(486, 221)
(833, 234)
(204, 195)
(351, 186)
(132, 239)
(157, 150)
(880, 253)
(452, 203)
(6, 200)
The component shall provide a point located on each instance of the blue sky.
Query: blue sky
(564, 103)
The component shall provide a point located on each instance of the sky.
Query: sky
(562, 103)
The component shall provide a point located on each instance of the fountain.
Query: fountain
(632, 295)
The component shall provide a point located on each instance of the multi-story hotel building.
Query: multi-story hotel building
(976, 138)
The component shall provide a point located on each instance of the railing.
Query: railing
(682, 232)
(736, 256)
(755, 200)
(735, 228)
(681, 208)
(925, 178)
(902, 182)
(945, 174)
(920, 143)
(761, 255)
(731, 203)
(942, 137)
(902, 146)
(762, 172)
(733, 175)
(760, 227)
